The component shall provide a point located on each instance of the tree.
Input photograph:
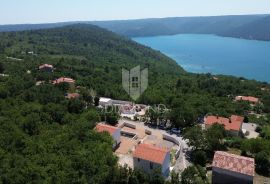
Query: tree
(175, 177)
(86, 95)
(194, 175)
(246, 120)
(215, 135)
(183, 117)
(254, 146)
(196, 138)
(91, 115)
(111, 115)
(199, 158)
(75, 106)
(156, 177)
(153, 115)
(55, 111)
(31, 124)
(262, 163)
(2, 67)
(3, 92)
(96, 101)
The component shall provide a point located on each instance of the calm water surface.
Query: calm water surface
(216, 55)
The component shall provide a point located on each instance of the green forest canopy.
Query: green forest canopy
(47, 138)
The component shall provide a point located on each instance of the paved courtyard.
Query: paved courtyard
(250, 128)
(128, 144)
(154, 140)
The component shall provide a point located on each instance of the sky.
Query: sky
(49, 11)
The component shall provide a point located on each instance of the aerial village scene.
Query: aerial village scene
(145, 145)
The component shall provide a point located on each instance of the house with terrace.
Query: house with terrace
(148, 158)
(232, 125)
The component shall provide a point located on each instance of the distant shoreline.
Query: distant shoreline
(250, 27)
(218, 55)
(201, 34)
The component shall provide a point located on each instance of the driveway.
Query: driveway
(157, 134)
(250, 128)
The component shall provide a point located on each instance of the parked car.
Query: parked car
(175, 131)
(162, 126)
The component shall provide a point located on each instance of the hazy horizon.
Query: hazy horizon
(39, 12)
(131, 19)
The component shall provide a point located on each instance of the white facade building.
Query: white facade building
(148, 158)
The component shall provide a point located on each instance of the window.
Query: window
(135, 79)
(135, 85)
(135, 82)
(151, 165)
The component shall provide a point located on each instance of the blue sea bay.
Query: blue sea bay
(214, 54)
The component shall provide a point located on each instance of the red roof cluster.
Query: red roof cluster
(62, 80)
(232, 123)
(247, 98)
(234, 163)
(45, 66)
(150, 153)
(106, 128)
(72, 95)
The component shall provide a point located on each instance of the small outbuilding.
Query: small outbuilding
(105, 101)
(232, 169)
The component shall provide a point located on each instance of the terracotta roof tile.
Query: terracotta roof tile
(106, 128)
(72, 95)
(247, 98)
(45, 66)
(232, 123)
(234, 163)
(150, 153)
(63, 79)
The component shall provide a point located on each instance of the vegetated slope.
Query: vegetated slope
(232, 26)
(254, 30)
(45, 138)
(102, 55)
(239, 26)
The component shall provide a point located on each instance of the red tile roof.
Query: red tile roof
(63, 79)
(232, 123)
(234, 163)
(247, 98)
(106, 128)
(72, 95)
(150, 153)
(45, 66)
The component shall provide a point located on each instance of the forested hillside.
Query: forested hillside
(46, 138)
(239, 26)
